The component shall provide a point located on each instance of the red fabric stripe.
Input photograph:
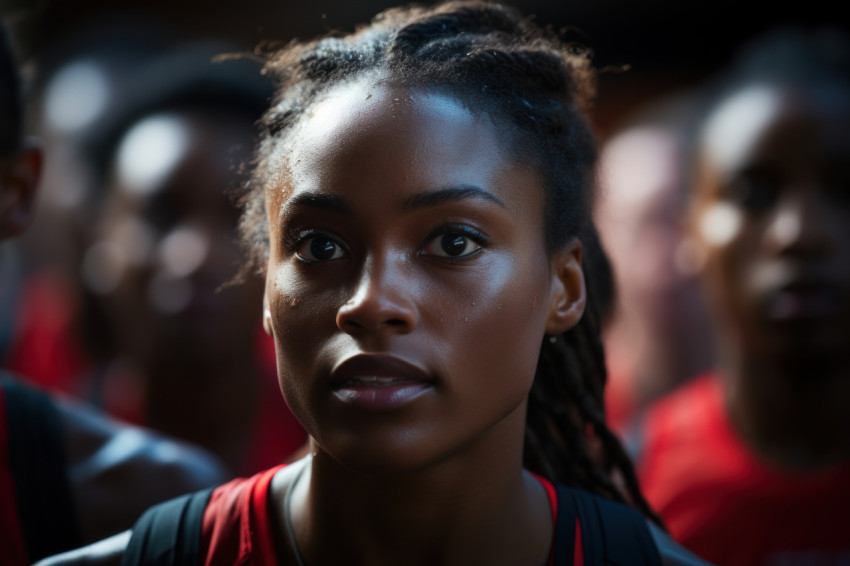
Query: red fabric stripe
(262, 535)
(553, 505)
(578, 555)
(236, 526)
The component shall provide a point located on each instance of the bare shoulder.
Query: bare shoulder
(106, 552)
(673, 553)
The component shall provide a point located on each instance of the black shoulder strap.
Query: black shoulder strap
(39, 467)
(565, 528)
(169, 533)
(612, 534)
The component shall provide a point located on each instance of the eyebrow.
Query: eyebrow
(451, 194)
(419, 201)
(324, 201)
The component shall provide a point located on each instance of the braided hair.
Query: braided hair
(526, 79)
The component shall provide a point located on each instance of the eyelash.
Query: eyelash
(473, 234)
(295, 238)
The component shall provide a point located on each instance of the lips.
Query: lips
(804, 300)
(378, 382)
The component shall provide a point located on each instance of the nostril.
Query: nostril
(349, 324)
(377, 306)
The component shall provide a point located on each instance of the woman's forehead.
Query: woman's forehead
(393, 134)
(380, 150)
(373, 104)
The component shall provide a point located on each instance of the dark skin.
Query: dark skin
(360, 266)
(100, 474)
(779, 273)
(201, 352)
(373, 275)
(112, 464)
(19, 174)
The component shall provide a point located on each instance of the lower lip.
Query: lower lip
(381, 398)
(796, 305)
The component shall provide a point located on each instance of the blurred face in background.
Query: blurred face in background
(772, 216)
(164, 242)
(641, 219)
(19, 174)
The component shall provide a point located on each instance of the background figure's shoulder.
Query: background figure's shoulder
(36, 487)
(672, 553)
(97, 442)
(118, 470)
(107, 552)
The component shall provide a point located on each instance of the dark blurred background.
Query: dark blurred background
(666, 44)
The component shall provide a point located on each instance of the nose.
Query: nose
(802, 224)
(382, 301)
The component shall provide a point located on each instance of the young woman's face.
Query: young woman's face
(773, 216)
(408, 287)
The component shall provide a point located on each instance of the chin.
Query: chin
(384, 455)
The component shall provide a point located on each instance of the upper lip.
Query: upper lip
(791, 276)
(380, 365)
(807, 285)
(825, 293)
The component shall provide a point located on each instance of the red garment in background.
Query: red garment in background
(45, 349)
(620, 402)
(43, 345)
(724, 503)
(278, 433)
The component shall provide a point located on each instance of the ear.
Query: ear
(19, 175)
(267, 315)
(568, 294)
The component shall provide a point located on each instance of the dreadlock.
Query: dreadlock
(526, 79)
(571, 368)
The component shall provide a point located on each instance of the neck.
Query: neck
(793, 412)
(468, 508)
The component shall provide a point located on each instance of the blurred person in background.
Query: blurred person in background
(170, 344)
(68, 475)
(658, 335)
(750, 463)
(74, 85)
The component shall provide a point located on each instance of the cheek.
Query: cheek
(296, 321)
(731, 270)
(500, 324)
(293, 310)
(298, 312)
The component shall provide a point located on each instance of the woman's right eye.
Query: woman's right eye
(319, 248)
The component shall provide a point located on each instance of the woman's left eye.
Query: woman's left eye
(454, 244)
(319, 248)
